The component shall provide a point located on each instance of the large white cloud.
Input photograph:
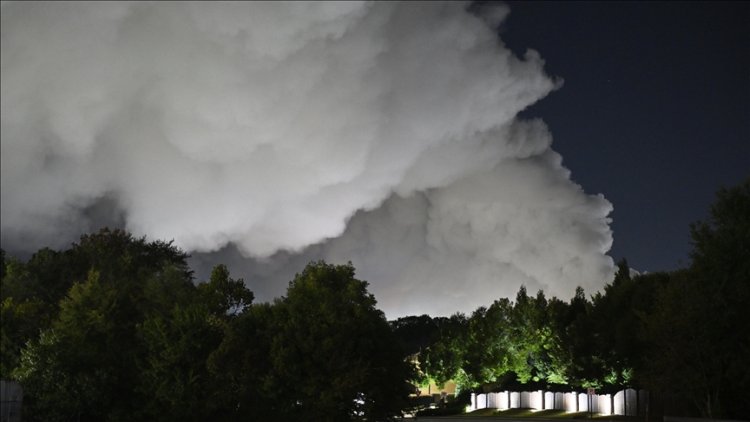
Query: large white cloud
(285, 126)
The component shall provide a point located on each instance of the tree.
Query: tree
(487, 356)
(578, 335)
(174, 374)
(333, 353)
(699, 330)
(71, 372)
(86, 364)
(242, 383)
(20, 322)
(616, 325)
(415, 333)
(444, 359)
(223, 295)
(29, 296)
(534, 342)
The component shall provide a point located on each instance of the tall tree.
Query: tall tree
(242, 383)
(224, 295)
(86, 364)
(487, 356)
(579, 340)
(533, 339)
(29, 297)
(75, 369)
(616, 326)
(334, 353)
(415, 333)
(173, 373)
(700, 329)
(444, 360)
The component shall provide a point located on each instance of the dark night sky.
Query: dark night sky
(654, 112)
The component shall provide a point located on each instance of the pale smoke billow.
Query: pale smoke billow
(382, 133)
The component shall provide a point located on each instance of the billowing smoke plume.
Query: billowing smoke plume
(381, 133)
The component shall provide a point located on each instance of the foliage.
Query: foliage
(333, 352)
(174, 374)
(84, 361)
(415, 332)
(616, 317)
(133, 337)
(683, 333)
(225, 296)
(444, 359)
(77, 366)
(699, 330)
(241, 371)
(115, 328)
(507, 338)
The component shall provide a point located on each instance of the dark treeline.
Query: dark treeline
(684, 335)
(116, 328)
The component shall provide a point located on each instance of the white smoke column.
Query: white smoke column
(523, 223)
(269, 125)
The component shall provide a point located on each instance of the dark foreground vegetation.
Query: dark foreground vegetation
(116, 328)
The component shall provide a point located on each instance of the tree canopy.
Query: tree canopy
(116, 328)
